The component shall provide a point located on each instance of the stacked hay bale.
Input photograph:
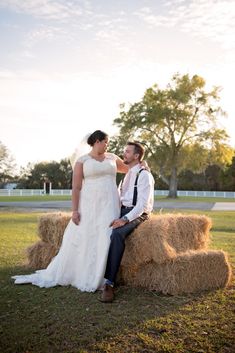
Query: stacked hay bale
(167, 253)
(51, 227)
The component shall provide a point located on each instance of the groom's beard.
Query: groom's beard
(128, 161)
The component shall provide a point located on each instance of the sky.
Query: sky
(66, 66)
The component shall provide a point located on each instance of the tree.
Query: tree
(7, 164)
(59, 174)
(228, 177)
(212, 174)
(178, 126)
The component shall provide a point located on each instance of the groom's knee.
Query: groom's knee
(117, 235)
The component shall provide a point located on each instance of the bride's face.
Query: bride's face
(103, 145)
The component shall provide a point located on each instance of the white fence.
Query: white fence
(36, 192)
(222, 194)
(21, 192)
(32, 192)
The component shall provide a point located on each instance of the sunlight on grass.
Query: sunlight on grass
(157, 198)
(62, 319)
(41, 198)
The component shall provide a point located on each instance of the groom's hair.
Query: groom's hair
(96, 135)
(138, 149)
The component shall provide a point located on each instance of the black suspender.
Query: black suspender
(135, 188)
(134, 200)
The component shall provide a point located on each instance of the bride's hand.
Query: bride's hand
(76, 217)
(145, 165)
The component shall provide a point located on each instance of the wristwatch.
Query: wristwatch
(124, 218)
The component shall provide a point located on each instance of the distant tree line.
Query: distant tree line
(214, 178)
(34, 175)
(7, 166)
(58, 173)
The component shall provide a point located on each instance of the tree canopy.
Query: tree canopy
(7, 164)
(179, 126)
(58, 173)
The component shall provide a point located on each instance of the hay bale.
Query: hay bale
(167, 253)
(51, 227)
(162, 237)
(188, 273)
(40, 254)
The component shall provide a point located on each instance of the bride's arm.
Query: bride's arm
(76, 188)
(121, 166)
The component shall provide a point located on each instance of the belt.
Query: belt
(127, 207)
(131, 208)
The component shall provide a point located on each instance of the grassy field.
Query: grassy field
(41, 198)
(195, 199)
(64, 320)
(159, 198)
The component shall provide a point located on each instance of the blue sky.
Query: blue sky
(65, 66)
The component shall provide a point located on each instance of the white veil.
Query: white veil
(82, 149)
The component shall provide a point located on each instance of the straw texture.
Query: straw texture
(189, 272)
(167, 253)
(51, 227)
(40, 254)
(162, 237)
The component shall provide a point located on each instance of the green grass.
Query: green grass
(157, 198)
(195, 199)
(64, 320)
(34, 198)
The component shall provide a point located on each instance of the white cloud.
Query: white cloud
(113, 31)
(202, 18)
(67, 19)
(44, 33)
(146, 14)
(47, 9)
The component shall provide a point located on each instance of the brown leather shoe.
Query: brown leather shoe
(107, 294)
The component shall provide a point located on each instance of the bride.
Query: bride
(81, 260)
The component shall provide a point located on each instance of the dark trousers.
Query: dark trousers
(117, 245)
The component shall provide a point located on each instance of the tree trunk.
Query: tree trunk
(162, 176)
(173, 183)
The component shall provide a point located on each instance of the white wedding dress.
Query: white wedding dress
(81, 260)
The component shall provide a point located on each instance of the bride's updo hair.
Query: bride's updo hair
(96, 135)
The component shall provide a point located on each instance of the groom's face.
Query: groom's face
(129, 154)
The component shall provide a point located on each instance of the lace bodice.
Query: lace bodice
(93, 168)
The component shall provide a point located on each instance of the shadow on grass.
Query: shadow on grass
(63, 319)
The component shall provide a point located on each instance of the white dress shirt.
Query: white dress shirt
(145, 192)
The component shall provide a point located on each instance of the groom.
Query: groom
(137, 197)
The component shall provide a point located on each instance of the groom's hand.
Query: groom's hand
(117, 223)
(145, 165)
